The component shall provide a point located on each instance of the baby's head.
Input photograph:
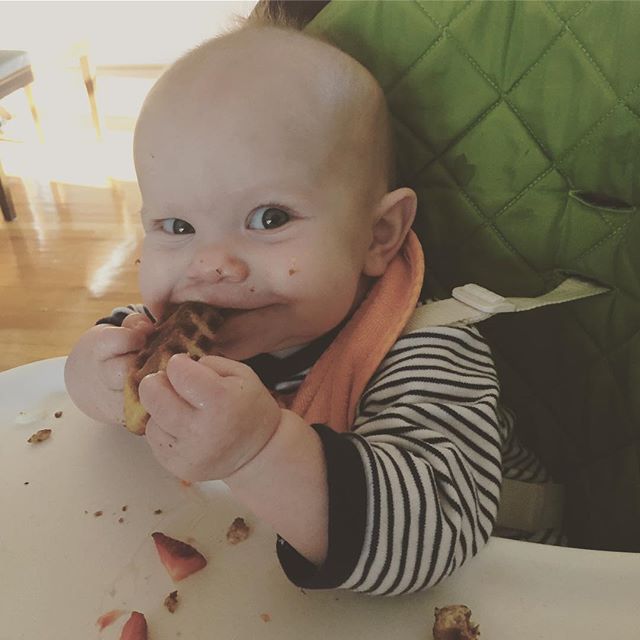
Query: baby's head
(265, 162)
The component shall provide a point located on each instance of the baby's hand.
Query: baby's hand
(97, 366)
(208, 418)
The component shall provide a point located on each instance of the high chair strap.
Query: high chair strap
(524, 506)
(472, 303)
(530, 506)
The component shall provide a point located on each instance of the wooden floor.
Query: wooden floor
(70, 255)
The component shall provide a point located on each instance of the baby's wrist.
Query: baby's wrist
(269, 456)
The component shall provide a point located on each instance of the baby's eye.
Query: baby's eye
(267, 218)
(177, 227)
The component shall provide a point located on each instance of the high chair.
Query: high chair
(518, 125)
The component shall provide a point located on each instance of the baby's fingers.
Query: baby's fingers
(138, 321)
(196, 384)
(116, 341)
(164, 405)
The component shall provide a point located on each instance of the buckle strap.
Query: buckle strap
(529, 506)
(472, 303)
(524, 506)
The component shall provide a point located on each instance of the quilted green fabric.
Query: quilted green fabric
(518, 124)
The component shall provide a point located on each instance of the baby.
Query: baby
(265, 163)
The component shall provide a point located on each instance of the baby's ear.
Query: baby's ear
(393, 219)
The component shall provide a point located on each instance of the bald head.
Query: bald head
(265, 82)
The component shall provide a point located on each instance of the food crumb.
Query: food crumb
(120, 520)
(125, 507)
(40, 436)
(97, 514)
(57, 414)
(265, 617)
(157, 512)
(171, 601)
(238, 531)
(454, 621)
(109, 618)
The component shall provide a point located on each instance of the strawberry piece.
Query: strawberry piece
(179, 558)
(107, 619)
(135, 628)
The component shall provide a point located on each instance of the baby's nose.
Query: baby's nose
(216, 264)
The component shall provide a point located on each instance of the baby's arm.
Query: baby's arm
(215, 420)
(393, 507)
(96, 368)
(286, 487)
(414, 489)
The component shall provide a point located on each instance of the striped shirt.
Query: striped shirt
(432, 445)
(414, 488)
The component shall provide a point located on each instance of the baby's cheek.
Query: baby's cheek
(155, 285)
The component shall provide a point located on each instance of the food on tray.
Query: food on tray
(171, 601)
(190, 328)
(453, 622)
(40, 436)
(179, 558)
(107, 619)
(238, 531)
(135, 628)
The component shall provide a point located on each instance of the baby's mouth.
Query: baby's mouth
(228, 313)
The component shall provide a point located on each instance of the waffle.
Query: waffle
(190, 328)
(453, 622)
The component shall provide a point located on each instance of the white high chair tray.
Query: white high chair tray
(61, 566)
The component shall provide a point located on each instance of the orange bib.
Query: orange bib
(331, 392)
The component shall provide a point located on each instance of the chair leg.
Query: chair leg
(34, 111)
(90, 84)
(6, 203)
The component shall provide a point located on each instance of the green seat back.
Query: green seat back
(518, 124)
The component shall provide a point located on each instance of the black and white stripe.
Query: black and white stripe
(428, 435)
(434, 444)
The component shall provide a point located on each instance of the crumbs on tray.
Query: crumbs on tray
(238, 531)
(40, 436)
(454, 621)
(171, 602)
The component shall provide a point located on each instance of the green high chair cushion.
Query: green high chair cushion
(518, 124)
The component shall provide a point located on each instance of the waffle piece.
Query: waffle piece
(190, 328)
(453, 622)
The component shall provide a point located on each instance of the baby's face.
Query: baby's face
(247, 207)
